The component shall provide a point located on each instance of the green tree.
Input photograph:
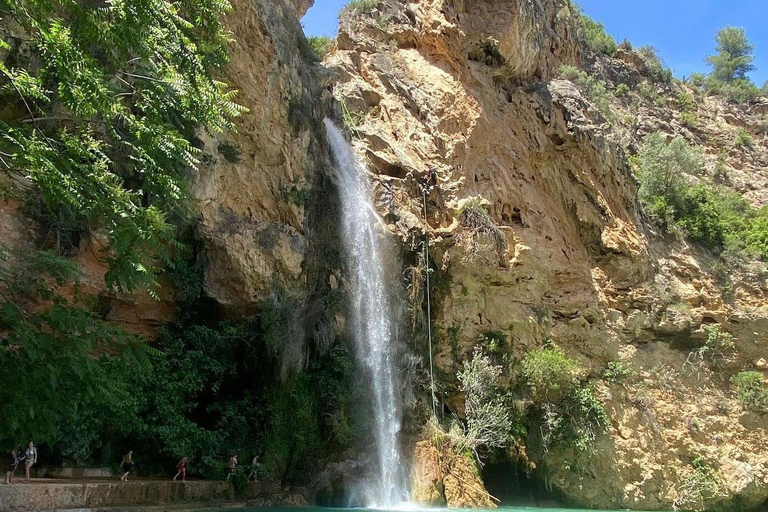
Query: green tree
(734, 58)
(106, 101)
(663, 167)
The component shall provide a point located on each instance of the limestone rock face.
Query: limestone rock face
(469, 90)
(253, 222)
(442, 476)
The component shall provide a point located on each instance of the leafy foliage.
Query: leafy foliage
(731, 65)
(48, 353)
(657, 71)
(360, 6)
(752, 391)
(568, 413)
(489, 419)
(743, 139)
(320, 46)
(594, 36)
(594, 89)
(547, 373)
(699, 486)
(734, 55)
(716, 217)
(109, 100)
(618, 371)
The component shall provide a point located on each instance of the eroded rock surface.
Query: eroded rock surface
(469, 90)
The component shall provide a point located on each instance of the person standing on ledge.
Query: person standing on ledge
(31, 458)
(181, 469)
(127, 465)
(13, 462)
(232, 466)
(254, 470)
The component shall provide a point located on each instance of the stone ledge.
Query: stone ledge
(62, 495)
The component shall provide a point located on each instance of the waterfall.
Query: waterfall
(371, 317)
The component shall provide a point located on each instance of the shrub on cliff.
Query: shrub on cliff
(752, 391)
(657, 71)
(716, 217)
(547, 373)
(315, 48)
(489, 419)
(595, 90)
(594, 36)
(360, 6)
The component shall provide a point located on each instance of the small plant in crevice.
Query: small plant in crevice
(689, 119)
(479, 226)
(621, 91)
(320, 46)
(230, 151)
(718, 351)
(618, 371)
(752, 391)
(547, 373)
(352, 119)
(360, 6)
(488, 53)
(743, 139)
(595, 90)
(698, 487)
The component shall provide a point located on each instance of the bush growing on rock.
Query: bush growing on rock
(657, 71)
(489, 419)
(479, 225)
(752, 391)
(319, 46)
(621, 91)
(594, 36)
(548, 373)
(743, 139)
(361, 6)
(715, 217)
(617, 371)
(663, 167)
(595, 90)
(699, 486)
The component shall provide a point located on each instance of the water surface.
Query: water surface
(410, 509)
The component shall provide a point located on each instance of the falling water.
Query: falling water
(371, 319)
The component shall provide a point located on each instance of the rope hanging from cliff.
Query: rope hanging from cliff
(429, 305)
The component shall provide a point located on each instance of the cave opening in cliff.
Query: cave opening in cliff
(512, 485)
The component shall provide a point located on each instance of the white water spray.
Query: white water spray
(371, 319)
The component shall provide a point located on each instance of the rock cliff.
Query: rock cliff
(471, 90)
(560, 249)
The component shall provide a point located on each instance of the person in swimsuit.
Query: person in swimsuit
(254, 469)
(13, 462)
(181, 469)
(127, 465)
(232, 466)
(31, 457)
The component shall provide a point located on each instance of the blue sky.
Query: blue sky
(682, 30)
